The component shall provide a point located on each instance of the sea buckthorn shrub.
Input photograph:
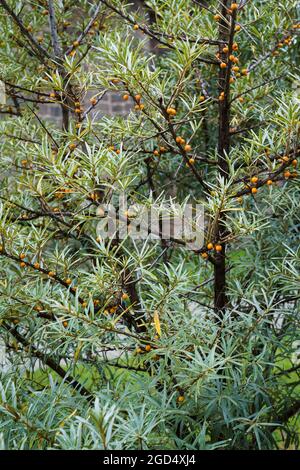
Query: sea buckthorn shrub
(150, 343)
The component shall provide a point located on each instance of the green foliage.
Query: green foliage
(120, 344)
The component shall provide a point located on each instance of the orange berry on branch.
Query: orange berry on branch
(76, 43)
(237, 28)
(136, 27)
(180, 399)
(125, 97)
(235, 68)
(22, 256)
(254, 190)
(225, 49)
(210, 246)
(147, 347)
(156, 153)
(201, 98)
(234, 6)
(93, 101)
(171, 111)
(188, 148)
(138, 97)
(204, 255)
(294, 162)
(235, 46)
(269, 182)
(231, 57)
(218, 248)
(254, 179)
(223, 65)
(191, 161)
(36, 265)
(217, 17)
(22, 264)
(68, 281)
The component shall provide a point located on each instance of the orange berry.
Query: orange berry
(188, 148)
(234, 6)
(125, 97)
(254, 190)
(191, 161)
(68, 281)
(235, 46)
(231, 80)
(65, 324)
(136, 27)
(51, 273)
(36, 265)
(269, 182)
(156, 152)
(22, 256)
(171, 111)
(294, 162)
(138, 97)
(236, 60)
(180, 399)
(210, 246)
(287, 174)
(125, 296)
(76, 43)
(217, 17)
(204, 255)
(22, 264)
(254, 179)
(225, 49)
(223, 65)
(235, 68)
(147, 347)
(201, 98)
(93, 101)
(72, 146)
(237, 28)
(218, 248)
(245, 72)
(231, 57)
